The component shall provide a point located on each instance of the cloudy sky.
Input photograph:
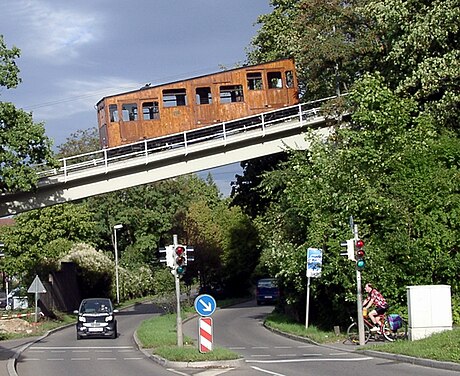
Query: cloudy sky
(73, 53)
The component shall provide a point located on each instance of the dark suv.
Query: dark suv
(267, 291)
(96, 318)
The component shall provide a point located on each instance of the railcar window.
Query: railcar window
(174, 97)
(231, 93)
(274, 80)
(150, 110)
(203, 95)
(254, 81)
(113, 113)
(129, 111)
(289, 79)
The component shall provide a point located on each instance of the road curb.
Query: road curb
(450, 366)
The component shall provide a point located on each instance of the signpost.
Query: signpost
(205, 306)
(314, 264)
(36, 288)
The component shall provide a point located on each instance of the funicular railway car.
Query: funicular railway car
(154, 111)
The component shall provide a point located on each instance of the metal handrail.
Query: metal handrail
(301, 113)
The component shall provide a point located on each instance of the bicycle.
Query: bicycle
(385, 332)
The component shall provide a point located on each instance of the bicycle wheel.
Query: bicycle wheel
(353, 333)
(387, 332)
(401, 333)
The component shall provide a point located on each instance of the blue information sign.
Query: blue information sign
(205, 305)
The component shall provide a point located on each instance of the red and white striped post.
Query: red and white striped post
(205, 334)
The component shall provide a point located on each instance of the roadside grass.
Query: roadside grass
(442, 346)
(286, 325)
(159, 334)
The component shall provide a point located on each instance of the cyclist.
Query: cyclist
(376, 299)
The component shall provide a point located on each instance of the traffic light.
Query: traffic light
(180, 259)
(359, 254)
(350, 244)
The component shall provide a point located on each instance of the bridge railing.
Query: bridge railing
(300, 115)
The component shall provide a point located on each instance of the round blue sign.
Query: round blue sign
(205, 305)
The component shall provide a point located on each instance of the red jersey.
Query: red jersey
(379, 300)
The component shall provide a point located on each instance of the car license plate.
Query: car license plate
(268, 296)
(95, 329)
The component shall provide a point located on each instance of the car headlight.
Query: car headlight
(109, 318)
(81, 319)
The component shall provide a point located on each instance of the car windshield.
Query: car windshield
(95, 306)
(270, 283)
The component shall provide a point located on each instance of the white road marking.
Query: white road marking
(85, 359)
(176, 371)
(132, 358)
(106, 358)
(309, 360)
(213, 372)
(259, 347)
(237, 348)
(283, 347)
(79, 347)
(266, 371)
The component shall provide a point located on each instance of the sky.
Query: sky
(73, 53)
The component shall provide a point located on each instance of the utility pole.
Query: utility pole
(359, 296)
(180, 336)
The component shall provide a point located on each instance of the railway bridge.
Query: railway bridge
(144, 162)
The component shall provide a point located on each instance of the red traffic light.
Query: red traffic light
(360, 253)
(180, 250)
(359, 243)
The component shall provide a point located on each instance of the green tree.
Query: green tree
(22, 142)
(378, 171)
(40, 237)
(80, 142)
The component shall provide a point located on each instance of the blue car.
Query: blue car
(267, 291)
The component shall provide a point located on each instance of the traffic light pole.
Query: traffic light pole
(180, 336)
(359, 297)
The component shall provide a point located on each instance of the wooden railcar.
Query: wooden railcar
(154, 111)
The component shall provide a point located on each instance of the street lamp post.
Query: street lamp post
(115, 245)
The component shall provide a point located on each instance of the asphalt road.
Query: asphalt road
(240, 328)
(61, 354)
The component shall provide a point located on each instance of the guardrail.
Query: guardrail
(301, 114)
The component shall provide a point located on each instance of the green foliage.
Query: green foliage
(22, 143)
(9, 71)
(135, 283)
(40, 237)
(95, 271)
(396, 176)
(394, 167)
(80, 142)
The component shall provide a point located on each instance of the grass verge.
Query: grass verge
(159, 334)
(442, 346)
(286, 325)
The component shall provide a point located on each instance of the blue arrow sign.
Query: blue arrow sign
(205, 305)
